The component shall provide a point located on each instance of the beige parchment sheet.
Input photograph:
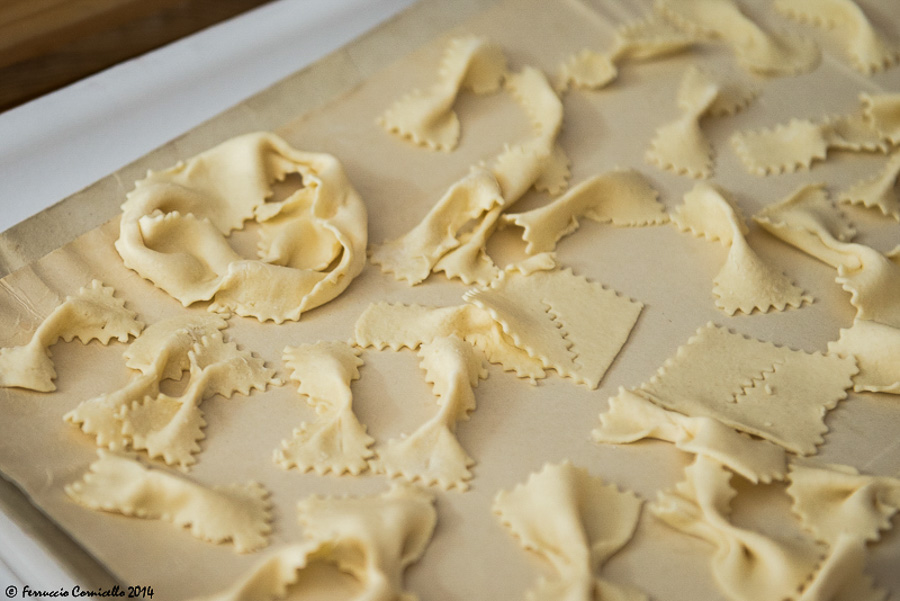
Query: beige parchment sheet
(517, 427)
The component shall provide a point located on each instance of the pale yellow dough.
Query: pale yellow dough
(879, 191)
(576, 522)
(772, 392)
(876, 348)
(568, 323)
(336, 442)
(372, 538)
(640, 40)
(432, 454)
(427, 118)
(94, 313)
(312, 244)
(883, 113)
(623, 198)
(747, 565)
(868, 50)
(746, 282)
(631, 417)
(680, 146)
(240, 514)
(757, 50)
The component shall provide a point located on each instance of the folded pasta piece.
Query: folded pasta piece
(795, 145)
(159, 353)
(623, 198)
(591, 521)
(93, 313)
(413, 256)
(746, 282)
(432, 454)
(757, 50)
(373, 538)
(568, 323)
(427, 118)
(336, 442)
(396, 326)
(680, 146)
(882, 111)
(452, 237)
(871, 278)
(879, 191)
(170, 427)
(869, 51)
(175, 222)
(772, 392)
(631, 418)
(876, 348)
(841, 576)
(644, 39)
(241, 514)
(747, 565)
(836, 500)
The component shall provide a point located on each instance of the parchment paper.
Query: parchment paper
(517, 426)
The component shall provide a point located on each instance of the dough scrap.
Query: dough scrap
(427, 118)
(869, 52)
(836, 500)
(747, 565)
(761, 52)
(576, 522)
(93, 313)
(170, 427)
(622, 197)
(568, 323)
(871, 278)
(680, 146)
(879, 191)
(789, 147)
(432, 454)
(373, 538)
(175, 222)
(768, 391)
(640, 40)
(397, 326)
(876, 348)
(438, 243)
(746, 282)
(882, 111)
(118, 483)
(631, 418)
(336, 442)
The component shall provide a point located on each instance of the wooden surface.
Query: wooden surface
(47, 44)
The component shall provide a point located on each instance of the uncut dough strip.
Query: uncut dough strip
(93, 313)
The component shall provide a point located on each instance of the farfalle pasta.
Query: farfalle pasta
(745, 283)
(373, 538)
(240, 514)
(426, 117)
(568, 323)
(641, 40)
(622, 197)
(747, 565)
(94, 313)
(876, 348)
(868, 50)
(432, 454)
(680, 146)
(592, 521)
(757, 50)
(336, 442)
(312, 244)
(878, 192)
